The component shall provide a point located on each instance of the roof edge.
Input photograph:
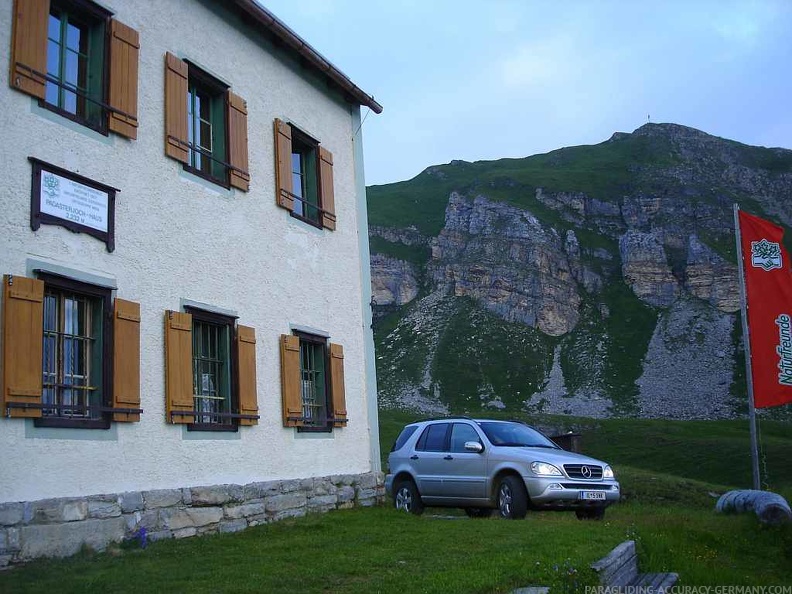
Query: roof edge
(269, 22)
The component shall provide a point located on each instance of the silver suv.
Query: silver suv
(483, 465)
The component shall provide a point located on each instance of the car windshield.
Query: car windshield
(515, 435)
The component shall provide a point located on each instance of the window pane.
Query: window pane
(73, 35)
(296, 163)
(205, 136)
(71, 69)
(53, 58)
(435, 437)
(54, 28)
(460, 433)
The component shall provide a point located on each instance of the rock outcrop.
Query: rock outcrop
(393, 282)
(510, 264)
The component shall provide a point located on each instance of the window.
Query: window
(304, 178)
(460, 434)
(433, 439)
(75, 63)
(210, 365)
(87, 371)
(403, 437)
(78, 61)
(205, 125)
(212, 369)
(313, 381)
(304, 171)
(312, 376)
(75, 345)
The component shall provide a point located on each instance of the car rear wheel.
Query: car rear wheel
(479, 512)
(407, 498)
(512, 498)
(590, 513)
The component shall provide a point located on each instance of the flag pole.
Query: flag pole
(747, 346)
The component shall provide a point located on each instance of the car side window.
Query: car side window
(403, 437)
(460, 433)
(433, 439)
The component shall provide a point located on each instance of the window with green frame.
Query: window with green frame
(206, 126)
(304, 178)
(313, 381)
(75, 353)
(212, 370)
(76, 69)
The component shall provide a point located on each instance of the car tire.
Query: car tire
(479, 512)
(590, 513)
(407, 498)
(512, 498)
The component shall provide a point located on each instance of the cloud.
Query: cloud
(538, 63)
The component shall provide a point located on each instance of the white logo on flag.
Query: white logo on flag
(765, 255)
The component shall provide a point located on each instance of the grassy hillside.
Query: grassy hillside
(601, 171)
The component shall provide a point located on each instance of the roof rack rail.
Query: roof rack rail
(445, 418)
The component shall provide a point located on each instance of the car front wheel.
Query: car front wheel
(406, 498)
(512, 498)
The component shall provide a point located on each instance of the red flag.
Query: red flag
(768, 288)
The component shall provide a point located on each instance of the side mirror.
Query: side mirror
(474, 446)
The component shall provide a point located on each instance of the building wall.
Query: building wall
(180, 238)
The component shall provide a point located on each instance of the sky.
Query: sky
(486, 79)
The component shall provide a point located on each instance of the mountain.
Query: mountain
(592, 280)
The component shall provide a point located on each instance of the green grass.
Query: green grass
(480, 356)
(415, 254)
(670, 471)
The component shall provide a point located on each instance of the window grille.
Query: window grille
(71, 355)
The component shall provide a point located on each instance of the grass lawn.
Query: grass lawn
(669, 511)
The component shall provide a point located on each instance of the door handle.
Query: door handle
(413, 457)
(449, 457)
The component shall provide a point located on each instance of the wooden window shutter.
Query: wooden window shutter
(126, 359)
(176, 140)
(178, 366)
(283, 166)
(246, 368)
(23, 330)
(326, 188)
(290, 381)
(29, 46)
(337, 393)
(238, 142)
(124, 50)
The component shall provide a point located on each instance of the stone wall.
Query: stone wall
(61, 527)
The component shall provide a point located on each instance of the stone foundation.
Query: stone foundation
(61, 527)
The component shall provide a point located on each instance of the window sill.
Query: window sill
(67, 423)
(306, 220)
(223, 183)
(326, 429)
(213, 427)
(100, 128)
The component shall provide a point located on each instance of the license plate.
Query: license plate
(592, 495)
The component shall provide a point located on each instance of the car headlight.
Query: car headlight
(607, 472)
(545, 469)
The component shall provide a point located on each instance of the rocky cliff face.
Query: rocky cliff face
(504, 259)
(393, 282)
(618, 260)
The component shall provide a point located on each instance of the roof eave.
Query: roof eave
(270, 23)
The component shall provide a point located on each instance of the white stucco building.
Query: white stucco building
(186, 332)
